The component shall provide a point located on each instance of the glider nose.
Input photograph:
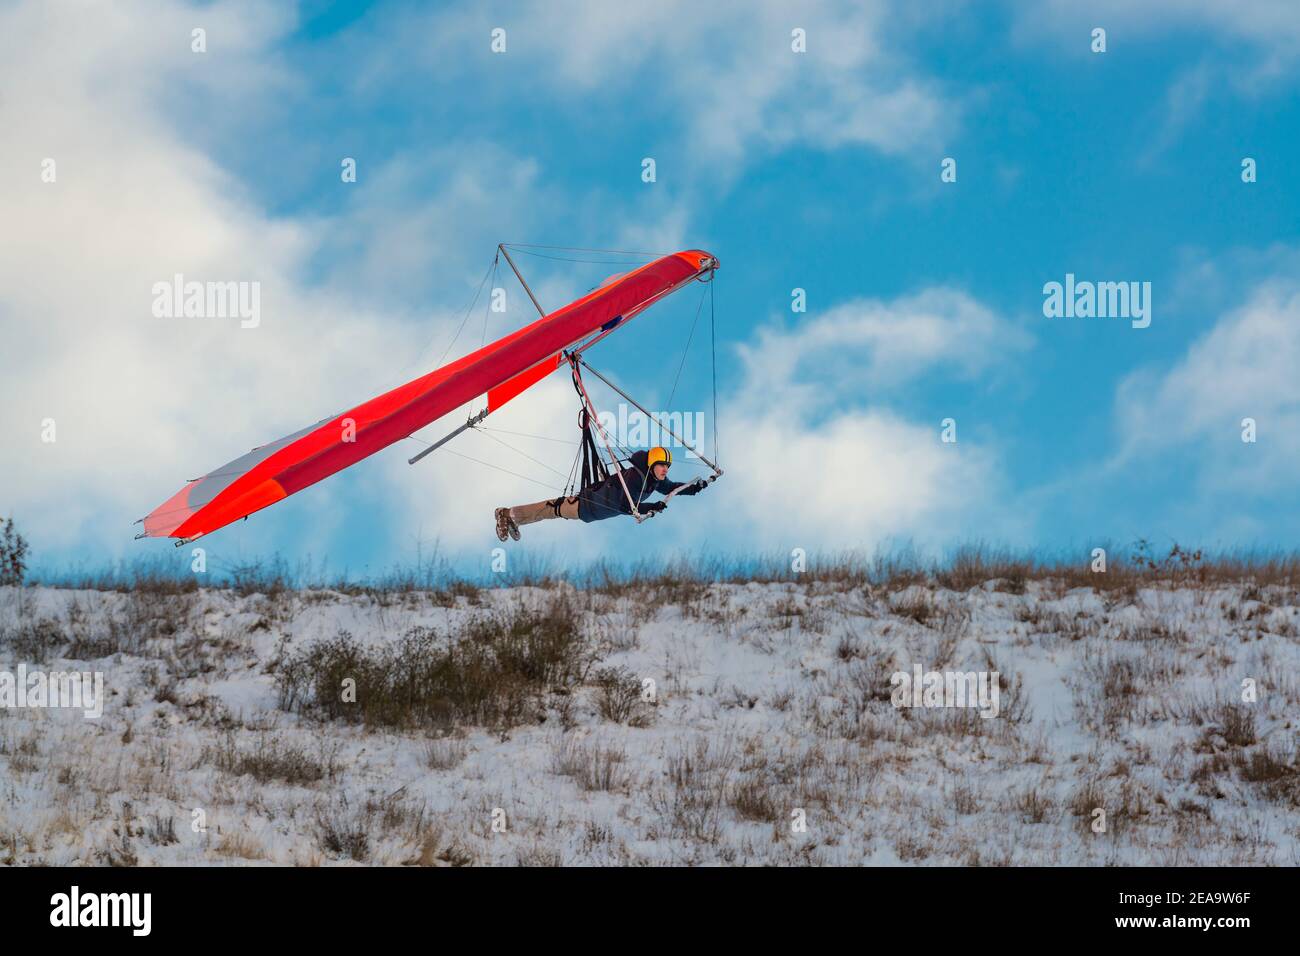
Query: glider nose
(701, 260)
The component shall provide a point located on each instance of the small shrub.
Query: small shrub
(1031, 805)
(752, 800)
(344, 831)
(1238, 725)
(445, 753)
(36, 641)
(619, 697)
(162, 830)
(13, 554)
(916, 605)
(965, 801)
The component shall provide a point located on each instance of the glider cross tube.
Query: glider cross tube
(469, 423)
(502, 369)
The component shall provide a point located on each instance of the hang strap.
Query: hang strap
(592, 424)
(594, 469)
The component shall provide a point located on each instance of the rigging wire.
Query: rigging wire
(687, 350)
(487, 306)
(549, 487)
(598, 262)
(402, 374)
(525, 454)
(571, 484)
(479, 291)
(620, 252)
(713, 353)
(504, 431)
(479, 461)
(632, 256)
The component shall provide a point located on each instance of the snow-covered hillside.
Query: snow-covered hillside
(516, 726)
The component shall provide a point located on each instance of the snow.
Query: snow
(772, 702)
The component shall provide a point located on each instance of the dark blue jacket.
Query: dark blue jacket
(605, 499)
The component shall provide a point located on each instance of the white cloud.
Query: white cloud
(425, 222)
(724, 74)
(1270, 24)
(142, 403)
(854, 480)
(1245, 367)
(1260, 55)
(878, 344)
(817, 460)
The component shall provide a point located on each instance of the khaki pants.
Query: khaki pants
(541, 510)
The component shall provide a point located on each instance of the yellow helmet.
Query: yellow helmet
(659, 454)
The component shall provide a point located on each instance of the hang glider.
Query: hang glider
(501, 370)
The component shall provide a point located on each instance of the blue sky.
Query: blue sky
(818, 171)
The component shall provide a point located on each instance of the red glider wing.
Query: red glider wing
(502, 369)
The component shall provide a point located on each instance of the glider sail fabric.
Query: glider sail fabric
(501, 370)
(496, 397)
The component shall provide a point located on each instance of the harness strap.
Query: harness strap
(591, 423)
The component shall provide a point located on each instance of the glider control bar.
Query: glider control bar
(717, 472)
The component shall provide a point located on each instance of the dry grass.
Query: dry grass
(273, 760)
(1274, 772)
(240, 846)
(916, 605)
(493, 672)
(445, 753)
(693, 802)
(686, 583)
(593, 765)
(353, 830)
